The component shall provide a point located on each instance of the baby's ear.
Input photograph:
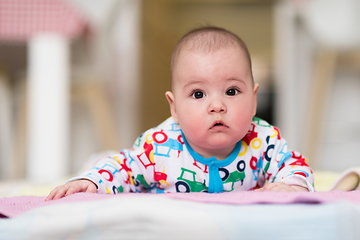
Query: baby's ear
(171, 99)
(256, 88)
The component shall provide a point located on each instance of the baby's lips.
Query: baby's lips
(219, 123)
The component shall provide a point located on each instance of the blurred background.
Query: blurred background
(81, 76)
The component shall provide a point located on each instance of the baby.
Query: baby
(212, 142)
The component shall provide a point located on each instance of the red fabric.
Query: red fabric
(11, 207)
(21, 19)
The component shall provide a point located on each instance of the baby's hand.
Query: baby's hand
(71, 188)
(281, 187)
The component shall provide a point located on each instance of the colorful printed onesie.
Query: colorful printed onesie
(162, 161)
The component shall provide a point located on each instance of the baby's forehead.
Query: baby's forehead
(193, 63)
(209, 43)
(236, 50)
(187, 55)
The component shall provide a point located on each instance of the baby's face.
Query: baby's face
(213, 99)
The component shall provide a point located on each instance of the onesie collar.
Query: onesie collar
(215, 182)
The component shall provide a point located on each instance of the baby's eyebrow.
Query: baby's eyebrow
(201, 81)
(237, 79)
(192, 82)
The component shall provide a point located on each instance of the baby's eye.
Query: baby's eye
(232, 91)
(197, 94)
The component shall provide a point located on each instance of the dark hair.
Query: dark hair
(207, 39)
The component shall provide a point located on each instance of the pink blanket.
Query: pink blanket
(11, 207)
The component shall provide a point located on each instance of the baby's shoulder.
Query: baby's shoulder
(165, 130)
(262, 129)
(168, 125)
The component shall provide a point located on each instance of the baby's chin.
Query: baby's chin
(220, 141)
(225, 147)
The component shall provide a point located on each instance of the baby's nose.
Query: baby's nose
(217, 106)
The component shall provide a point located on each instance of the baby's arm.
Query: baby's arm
(285, 170)
(69, 188)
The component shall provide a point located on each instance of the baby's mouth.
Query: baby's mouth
(219, 124)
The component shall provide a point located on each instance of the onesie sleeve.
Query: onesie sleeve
(131, 170)
(284, 165)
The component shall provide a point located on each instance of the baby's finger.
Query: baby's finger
(52, 194)
(259, 190)
(281, 187)
(269, 187)
(71, 190)
(61, 192)
(275, 188)
(91, 188)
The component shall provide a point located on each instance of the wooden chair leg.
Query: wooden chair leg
(325, 66)
(95, 99)
(21, 132)
(6, 128)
